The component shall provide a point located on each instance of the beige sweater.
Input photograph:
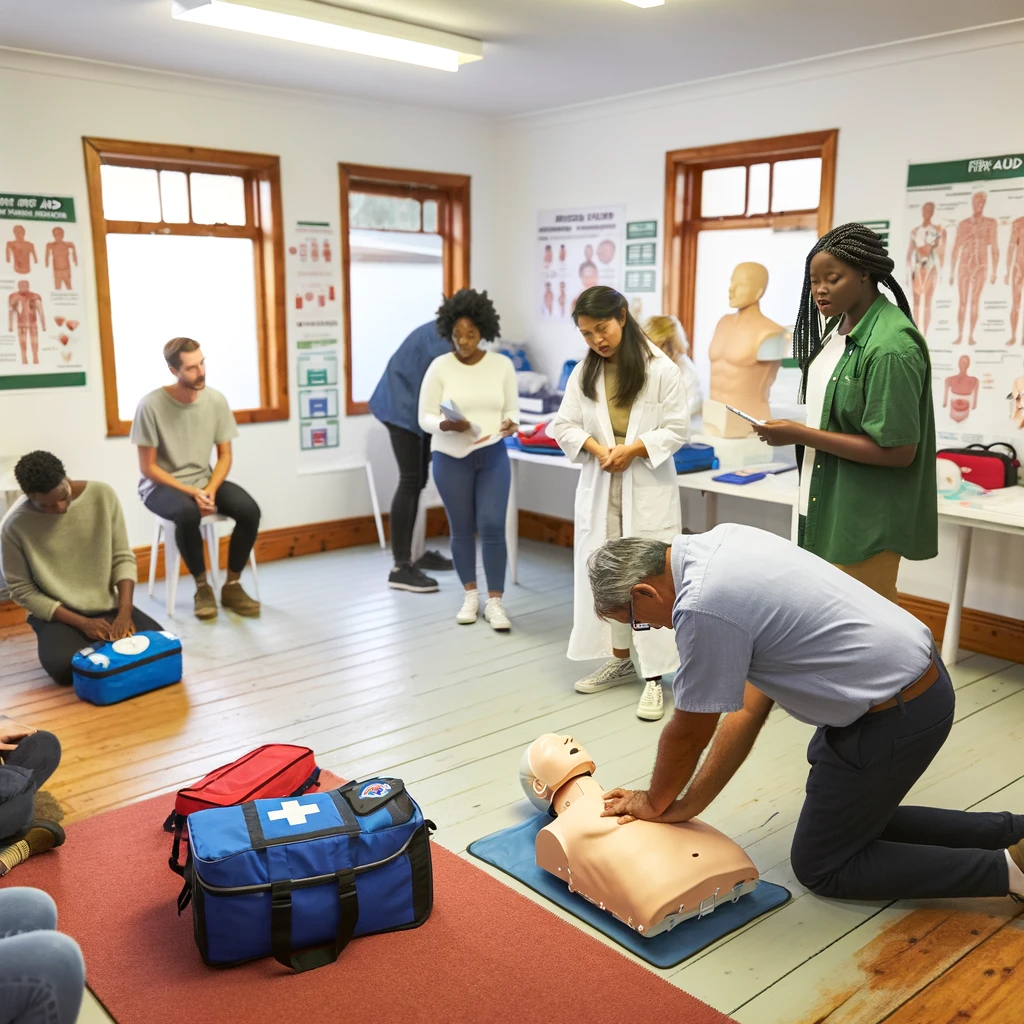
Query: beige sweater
(75, 560)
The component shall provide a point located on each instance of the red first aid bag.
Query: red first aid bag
(273, 770)
(982, 466)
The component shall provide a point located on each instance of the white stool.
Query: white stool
(172, 556)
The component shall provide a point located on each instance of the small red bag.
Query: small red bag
(984, 467)
(273, 770)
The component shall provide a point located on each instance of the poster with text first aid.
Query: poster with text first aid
(43, 341)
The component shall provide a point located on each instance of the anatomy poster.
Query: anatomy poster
(314, 311)
(43, 341)
(577, 249)
(964, 268)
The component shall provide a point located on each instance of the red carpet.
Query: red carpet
(486, 955)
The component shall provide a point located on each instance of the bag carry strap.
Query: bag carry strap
(313, 780)
(281, 925)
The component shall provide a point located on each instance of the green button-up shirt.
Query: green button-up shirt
(882, 387)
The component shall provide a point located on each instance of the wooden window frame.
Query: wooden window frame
(683, 220)
(264, 225)
(452, 193)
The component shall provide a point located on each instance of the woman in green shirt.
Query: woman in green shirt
(867, 486)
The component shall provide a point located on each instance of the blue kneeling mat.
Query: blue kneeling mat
(513, 850)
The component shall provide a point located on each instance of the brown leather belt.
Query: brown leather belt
(915, 689)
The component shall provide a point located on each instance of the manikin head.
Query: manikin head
(19, 233)
(978, 203)
(632, 582)
(45, 482)
(748, 284)
(466, 319)
(927, 212)
(548, 764)
(58, 234)
(185, 360)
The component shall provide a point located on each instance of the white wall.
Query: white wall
(311, 134)
(941, 99)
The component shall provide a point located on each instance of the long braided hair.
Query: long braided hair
(861, 248)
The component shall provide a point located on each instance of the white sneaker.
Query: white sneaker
(652, 703)
(470, 609)
(614, 672)
(495, 614)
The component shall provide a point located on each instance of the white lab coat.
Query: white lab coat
(650, 495)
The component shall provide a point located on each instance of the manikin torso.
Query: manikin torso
(745, 354)
(649, 875)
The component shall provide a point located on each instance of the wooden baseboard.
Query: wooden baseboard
(272, 546)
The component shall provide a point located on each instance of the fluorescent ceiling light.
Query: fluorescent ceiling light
(646, 3)
(320, 24)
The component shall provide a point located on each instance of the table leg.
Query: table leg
(710, 510)
(512, 522)
(951, 635)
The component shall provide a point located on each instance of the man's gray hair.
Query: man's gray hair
(618, 566)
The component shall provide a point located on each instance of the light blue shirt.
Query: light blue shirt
(752, 606)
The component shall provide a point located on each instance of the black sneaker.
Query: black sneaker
(434, 561)
(408, 577)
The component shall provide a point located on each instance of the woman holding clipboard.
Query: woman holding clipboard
(469, 404)
(624, 415)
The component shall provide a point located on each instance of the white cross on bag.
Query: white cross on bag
(293, 812)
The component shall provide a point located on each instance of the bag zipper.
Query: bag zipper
(304, 882)
(102, 674)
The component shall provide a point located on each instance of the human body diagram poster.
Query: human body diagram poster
(577, 249)
(315, 329)
(43, 341)
(964, 254)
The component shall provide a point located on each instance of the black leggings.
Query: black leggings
(412, 451)
(182, 510)
(58, 642)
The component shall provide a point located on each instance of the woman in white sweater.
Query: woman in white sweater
(471, 467)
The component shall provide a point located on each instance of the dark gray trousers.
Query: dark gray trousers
(40, 753)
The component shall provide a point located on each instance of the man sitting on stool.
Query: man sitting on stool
(175, 429)
(758, 620)
(67, 562)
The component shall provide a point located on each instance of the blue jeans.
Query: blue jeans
(42, 974)
(475, 495)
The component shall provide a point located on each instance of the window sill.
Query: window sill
(122, 428)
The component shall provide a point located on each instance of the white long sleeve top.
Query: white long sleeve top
(486, 393)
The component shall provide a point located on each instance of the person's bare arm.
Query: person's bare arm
(151, 471)
(220, 469)
(596, 449)
(852, 447)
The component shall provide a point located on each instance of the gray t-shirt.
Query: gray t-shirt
(183, 435)
(752, 606)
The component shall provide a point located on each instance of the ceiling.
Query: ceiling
(538, 53)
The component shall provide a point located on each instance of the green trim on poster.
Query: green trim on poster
(955, 171)
(29, 381)
(312, 224)
(311, 343)
(17, 206)
(641, 229)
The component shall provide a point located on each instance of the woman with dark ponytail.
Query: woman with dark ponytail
(624, 415)
(867, 483)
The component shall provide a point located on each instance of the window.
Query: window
(188, 242)
(765, 201)
(405, 240)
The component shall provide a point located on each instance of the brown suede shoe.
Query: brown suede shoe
(205, 602)
(232, 596)
(38, 837)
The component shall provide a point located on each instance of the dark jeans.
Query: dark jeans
(475, 490)
(182, 510)
(855, 841)
(40, 753)
(58, 643)
(412, 452)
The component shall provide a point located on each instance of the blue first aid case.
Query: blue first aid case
(114, 671)
(297, 878)
(740, 476)
(692, 458)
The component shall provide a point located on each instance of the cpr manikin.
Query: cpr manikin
(746, 353)
(964, 389)
(649, 875)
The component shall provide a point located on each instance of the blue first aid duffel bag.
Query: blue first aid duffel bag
(113, 671)
(296, 879)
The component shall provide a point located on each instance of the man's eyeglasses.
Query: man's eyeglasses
(638, 627)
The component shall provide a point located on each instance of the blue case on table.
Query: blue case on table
(297, 878)
(739, 477)
(110, 672)
(692, 458)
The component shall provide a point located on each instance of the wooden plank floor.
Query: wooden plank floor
(378, 681)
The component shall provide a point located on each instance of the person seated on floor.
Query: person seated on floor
(65, 556)
(28, 758)
(42, 973)
(175, 428)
